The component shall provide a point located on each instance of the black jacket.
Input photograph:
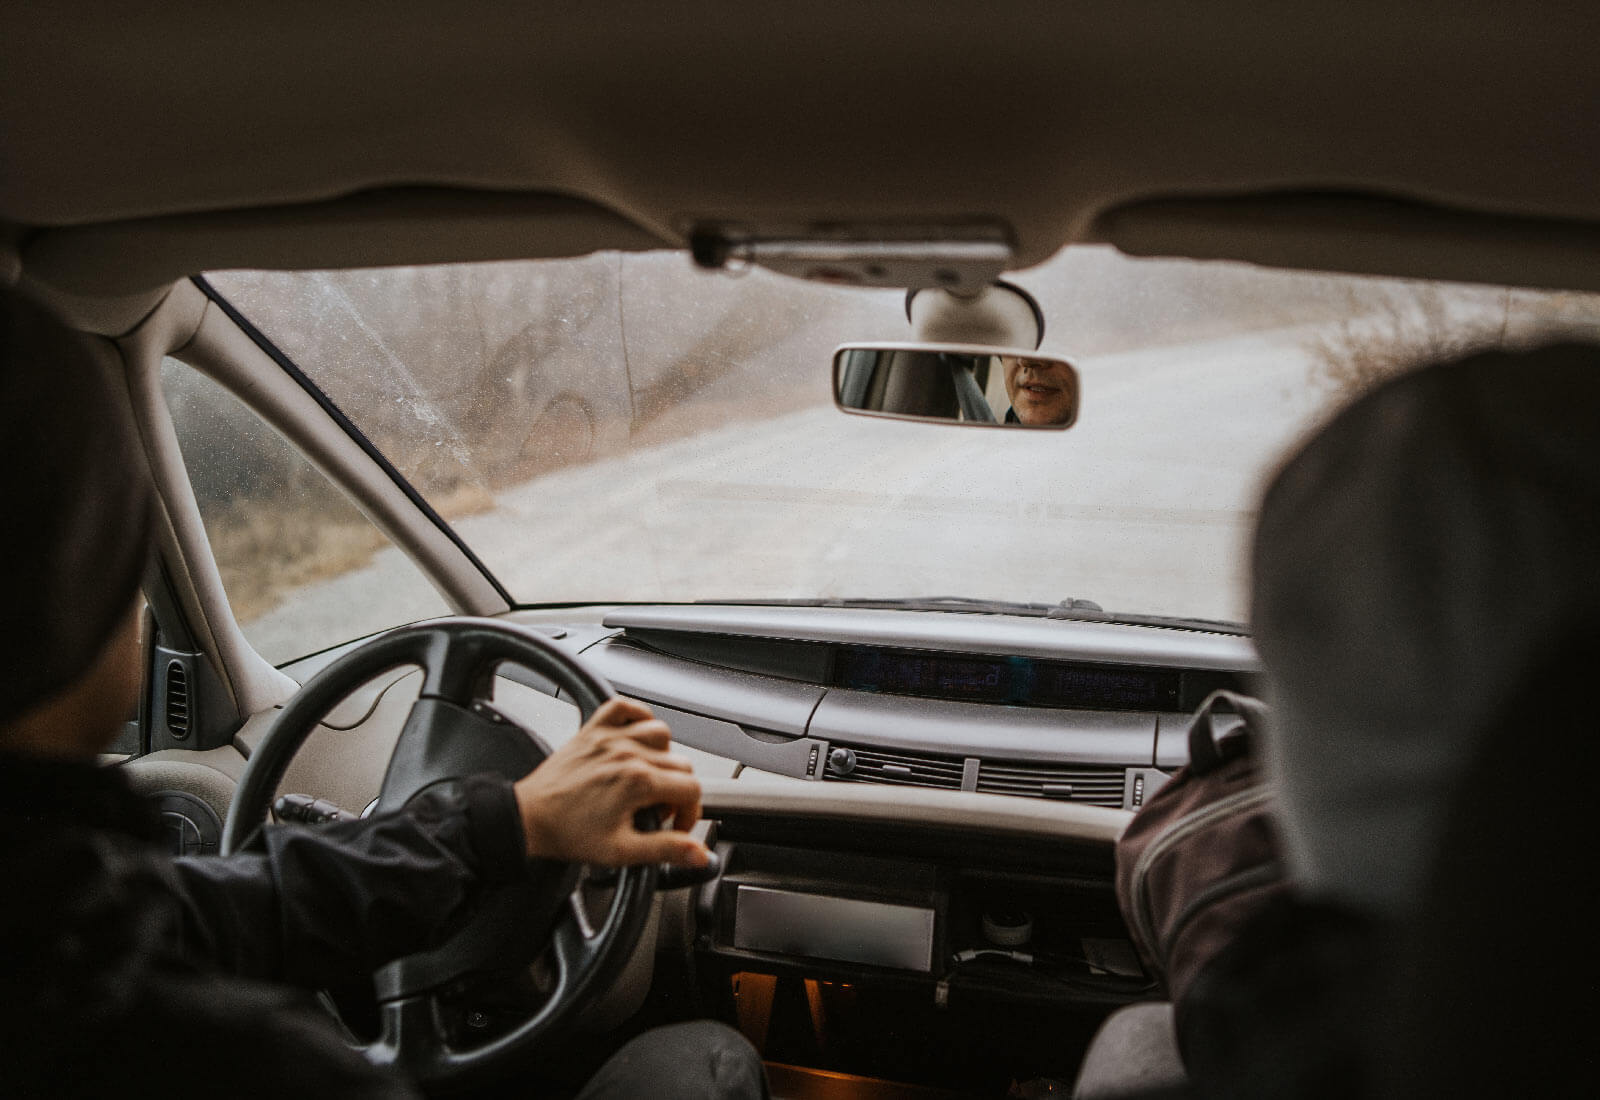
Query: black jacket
(128, 972)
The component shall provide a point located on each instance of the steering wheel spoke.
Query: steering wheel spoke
(410, 1036)
(457, 667)
(578, 939)
(571, 945)
(578, 906)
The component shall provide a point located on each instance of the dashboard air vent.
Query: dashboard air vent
(1094, 786)
(906, 769)
(177, 700)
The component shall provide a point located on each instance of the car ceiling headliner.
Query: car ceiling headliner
(1456, 139)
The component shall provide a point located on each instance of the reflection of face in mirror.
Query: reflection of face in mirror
(1042, 391)
(962, 383)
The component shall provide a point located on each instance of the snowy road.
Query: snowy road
(1145, 505)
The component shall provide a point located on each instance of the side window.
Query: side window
(299, 562)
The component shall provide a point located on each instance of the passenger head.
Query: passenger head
(1409, 560)
(1041, 391)
(76, 507)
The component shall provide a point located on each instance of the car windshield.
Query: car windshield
(625, 427)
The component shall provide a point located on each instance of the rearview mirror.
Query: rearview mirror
(964, 383)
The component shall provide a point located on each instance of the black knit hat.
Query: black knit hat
(74, 503)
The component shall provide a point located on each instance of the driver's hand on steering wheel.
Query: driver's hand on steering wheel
(579, 805)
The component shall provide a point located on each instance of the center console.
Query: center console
(975, 954)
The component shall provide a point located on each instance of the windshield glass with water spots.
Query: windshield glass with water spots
(625, 427)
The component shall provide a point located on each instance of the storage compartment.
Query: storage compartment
(910, 968)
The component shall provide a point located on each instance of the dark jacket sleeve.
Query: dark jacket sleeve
(315, 905)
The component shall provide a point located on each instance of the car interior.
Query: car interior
(914, 795)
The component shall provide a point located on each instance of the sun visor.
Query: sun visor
(373, 229)
(1361, 235)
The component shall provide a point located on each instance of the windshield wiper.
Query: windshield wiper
(1078, 610)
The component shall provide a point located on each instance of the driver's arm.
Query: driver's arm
(315, 905)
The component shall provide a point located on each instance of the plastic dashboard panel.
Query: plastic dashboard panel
(971, 732)
(784, 727)
(781, 707)
(961, 729)
(1091, 828)
(783, 724)
(947, 632)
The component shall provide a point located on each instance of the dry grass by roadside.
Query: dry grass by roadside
(1414, 323)
(268, 547)
(1396, 334)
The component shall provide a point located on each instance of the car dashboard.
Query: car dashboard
(1081, 712)
(916, 814)
(922, 824)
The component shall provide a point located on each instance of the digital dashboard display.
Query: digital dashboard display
(982, 681)
(1020, 681)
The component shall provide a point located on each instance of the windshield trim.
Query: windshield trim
(1077, 610)
(346, 425)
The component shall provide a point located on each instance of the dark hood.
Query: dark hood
(75, 501)
(1410, 561)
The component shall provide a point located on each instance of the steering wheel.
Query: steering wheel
(451, 733)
